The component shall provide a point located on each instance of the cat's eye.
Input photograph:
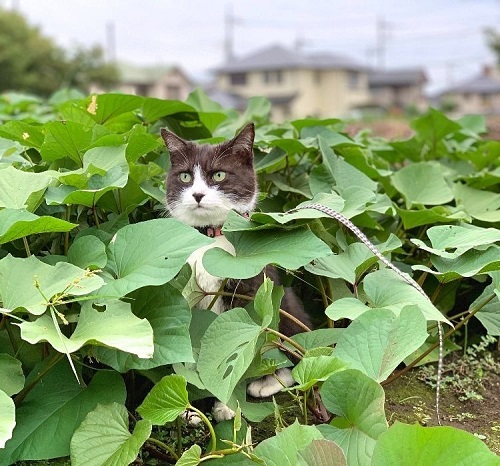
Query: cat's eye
(185, 177)
(219, 176)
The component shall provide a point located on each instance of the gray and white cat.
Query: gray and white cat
(205, 182)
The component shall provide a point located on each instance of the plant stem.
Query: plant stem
(66, 235)
(26, 246)
(164, 446)
(435, 345)
(24, 392)
(285, 338)
(213, 437)
(217, 295)
(295, 320)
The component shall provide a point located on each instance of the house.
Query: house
(480, 94)
(398, 89)
(297, 84)
(163, 82)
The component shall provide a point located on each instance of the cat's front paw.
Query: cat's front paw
(269, 385)
(221, 412)
(191, 417)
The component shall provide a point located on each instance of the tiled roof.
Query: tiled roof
(278, 57)
(479, 85)
(397, 77)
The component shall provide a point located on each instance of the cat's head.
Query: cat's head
(206, 181)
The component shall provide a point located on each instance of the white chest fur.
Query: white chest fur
(205, 281)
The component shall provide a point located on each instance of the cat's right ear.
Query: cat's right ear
(173, 142)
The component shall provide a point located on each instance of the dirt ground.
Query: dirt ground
(399, 128)
(410, 400)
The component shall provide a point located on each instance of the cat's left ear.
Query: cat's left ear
(173, 142)
(242, 143)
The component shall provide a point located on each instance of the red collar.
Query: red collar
(212, 231)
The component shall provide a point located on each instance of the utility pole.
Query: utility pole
(110, 42)
(381, 41)
(229, 23)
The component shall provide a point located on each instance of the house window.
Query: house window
(173, 92)
(238, 79)
(272, 77)
(353, 79)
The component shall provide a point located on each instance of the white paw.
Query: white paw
(191, 418)
(269, 385)
(221, 412)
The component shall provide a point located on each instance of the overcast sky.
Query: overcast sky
(445, 37)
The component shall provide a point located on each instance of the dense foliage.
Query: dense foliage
(32, 62)
(96, 293)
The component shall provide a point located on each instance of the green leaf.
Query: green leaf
(169, 315)
(423, 183)
(437, 214)
(19, 223)
(11, 374)
(344, 174)
(451, 241)
(414, 445)
(29, 282)
(352, 263)
(378, 341)
(22, 190)
(321, 453)
(167, 400)
(116, 327)
(222, 366)
(153, 109)
(191, 457)
(8, 418)
(284, 448)
(489, 315)
(255, 250)
(318, 338)
(58, 404)
(88, 252)
(469, 264)
(480, 204)
(28, 135)
(150, 253)
(311, 370)
(103, 438)
(434, 126)
(384, 289)
(358, 401)
(109, 107)
(65, 139)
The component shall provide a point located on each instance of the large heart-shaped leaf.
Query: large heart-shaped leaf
(283, 449)
(422, 183)
(414, 445)
(18, 223)
(167, 400)
(256, 249)
(358, 401)
(11, 374)
(116, 327)
(8, 418)
(106, 430)
(222, 366)
(57, 405)
(150, 253)
(169, 315)
(378, 341)
(22, 190)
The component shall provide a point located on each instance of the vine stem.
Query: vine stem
(213, 437)
(26, 246)
(288, 340)
(163, 445)
(24, 392)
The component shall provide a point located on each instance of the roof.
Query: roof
(478, 85)
(397, 77)
(145, 74)
(279, 57)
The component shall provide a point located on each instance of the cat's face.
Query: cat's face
(206, 181)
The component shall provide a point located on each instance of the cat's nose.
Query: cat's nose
(198, 197)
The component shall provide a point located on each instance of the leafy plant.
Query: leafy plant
(96, 293)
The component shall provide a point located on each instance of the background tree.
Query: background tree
(493, 41)
(32, 62)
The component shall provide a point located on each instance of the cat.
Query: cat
(205, 182)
